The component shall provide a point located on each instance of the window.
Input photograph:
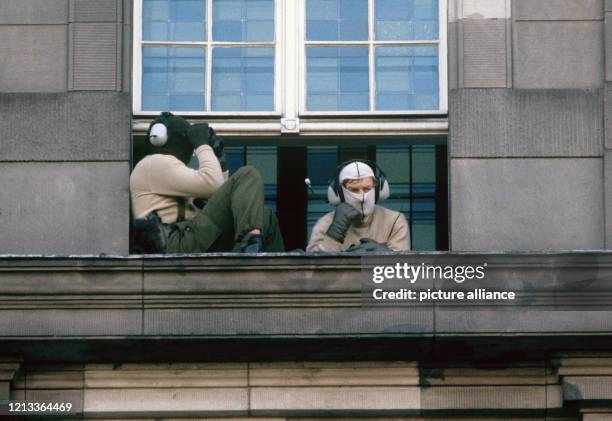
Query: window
(341, 79)
(190, 65)
(372, 55)
(290, 59)
(416, 175)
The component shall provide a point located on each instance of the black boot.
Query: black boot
(254, 244)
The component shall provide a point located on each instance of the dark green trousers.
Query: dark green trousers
(234, 210)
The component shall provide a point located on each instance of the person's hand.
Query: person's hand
(216, 144)
(344, 217)
(198, 135)
(223, 162)
(368, 245)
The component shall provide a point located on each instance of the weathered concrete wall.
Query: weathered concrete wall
(65, 156)
(527, 118)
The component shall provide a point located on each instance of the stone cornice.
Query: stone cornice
(298, 300)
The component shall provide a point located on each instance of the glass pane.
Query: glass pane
(424, 235)
(406, 19)
(322, 162)
(394, 160)
(173, 79)
(425, 171)
(243, 20)
(243, 79)
(424, 197)
(407, 78)
(174, 20)
(337, 20)
(337, 79)
(235, 157)
(264, 158)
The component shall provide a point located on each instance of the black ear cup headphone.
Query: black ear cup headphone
(335, 195)
(157, 134)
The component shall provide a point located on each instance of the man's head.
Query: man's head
(168, 135)
(359, 186)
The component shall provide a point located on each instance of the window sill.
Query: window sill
(317, 124)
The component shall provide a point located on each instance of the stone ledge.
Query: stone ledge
(304, 305)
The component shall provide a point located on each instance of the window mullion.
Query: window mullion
(371, 64)
(209, 23)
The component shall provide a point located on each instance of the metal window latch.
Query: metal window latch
(290, 125)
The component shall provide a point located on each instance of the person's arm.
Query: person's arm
(176, 179)
(319, 240)
(399, 238)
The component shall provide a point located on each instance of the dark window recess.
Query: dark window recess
(418, 177)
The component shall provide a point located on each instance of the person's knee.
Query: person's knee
(247, 171)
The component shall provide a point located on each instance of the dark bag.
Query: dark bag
(149, 235)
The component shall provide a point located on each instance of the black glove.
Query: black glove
(368, 245)
(223, 162)
(215, 143)
(198, 135)
(344, 217)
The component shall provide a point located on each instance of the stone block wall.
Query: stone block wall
(566, 388)
(529, 167)
(64, 161)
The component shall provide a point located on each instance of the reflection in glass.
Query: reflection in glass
(243, 20)
(406, 19)
(411, 171)
(407, 78)
(173, 79)
(174, 20)
(337, 79)
(243, 79)
(337, 20)
(264, 158)
(321, 165)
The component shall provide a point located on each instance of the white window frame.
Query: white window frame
(290, 115)
(372, 43)
(209, 44)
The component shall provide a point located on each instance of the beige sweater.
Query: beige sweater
(384, 226)
(158, 179)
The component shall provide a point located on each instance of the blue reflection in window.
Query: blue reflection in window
(337, 20)
(406, 19)
(243, 20)
(243, 79)
(407, 78)
(173, 79)
(174, 20)
(337, 79)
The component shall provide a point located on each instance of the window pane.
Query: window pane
(243, 79)
(173, 79)
(243, 20)
(174, 20)
(395, 162)
(406, 19)
(337, 79)
(321, 163)
(264, 158)
(407, 78)
(337, 20)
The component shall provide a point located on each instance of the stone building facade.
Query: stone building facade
(523, 180)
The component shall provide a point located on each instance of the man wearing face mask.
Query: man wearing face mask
(358, 224)
(162, 186)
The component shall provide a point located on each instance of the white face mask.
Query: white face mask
(364, 203)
